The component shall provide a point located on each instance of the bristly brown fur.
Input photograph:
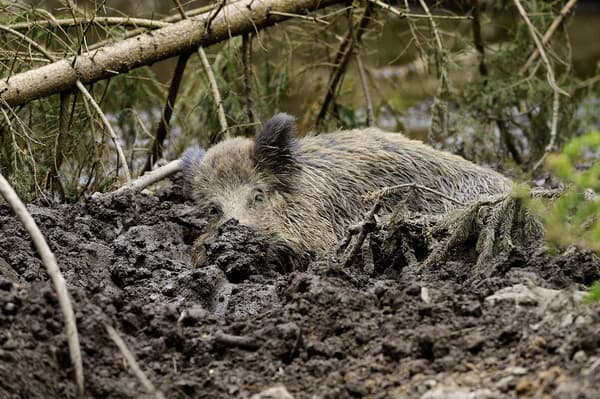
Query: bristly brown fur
(303, 194)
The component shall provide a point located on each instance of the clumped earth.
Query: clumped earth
(235, 328)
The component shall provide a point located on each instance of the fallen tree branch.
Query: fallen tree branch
(237, 18)
(83, 91)
(133, 364)
(151, 177)
(55, 276)
(70, 22)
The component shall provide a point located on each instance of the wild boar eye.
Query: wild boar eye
(259, 197)
(213, 210)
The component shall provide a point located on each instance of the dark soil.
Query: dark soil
(234, 328)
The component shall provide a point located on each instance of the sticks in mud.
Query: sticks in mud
(151, 177)
(369, 223)
(55, 275)
(133, 364)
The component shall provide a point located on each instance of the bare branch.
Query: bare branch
(55, 275)
(212, 81)
(147, 48)
(113, 135)
(555, 24)
(305, 17)
(151, 177)
(70, 22)
(404, 14)
(86, 95)
(365, 87)
(434, 29)
(133, 364)
(247, 72)
(551, 81)
(367, 226)
(553, 130)
(477, 39)
(165, 120)
(342, 58)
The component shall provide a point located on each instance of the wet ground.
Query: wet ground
(234, 329)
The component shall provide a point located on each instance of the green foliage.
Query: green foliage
(196, 106)
(518, 102)
(573, 217)
(594, 293)
(291, 64)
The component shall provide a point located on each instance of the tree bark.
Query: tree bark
(237, 18)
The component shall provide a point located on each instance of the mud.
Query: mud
(236, 327)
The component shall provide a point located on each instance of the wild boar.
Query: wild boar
(301, 194)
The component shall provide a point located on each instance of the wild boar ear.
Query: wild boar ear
(274, 147)
(191, 160)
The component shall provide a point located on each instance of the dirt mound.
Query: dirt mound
(235, 328)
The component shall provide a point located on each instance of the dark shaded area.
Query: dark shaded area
(235, 327)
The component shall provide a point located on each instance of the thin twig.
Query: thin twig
(247, 72)
(55, 275)
(180, 9)
(211, 18)
(165, 120)
(52, 180)
(85, 94)
(70, 22)
(540, 48)
(404, 14)
(436, 35)
(113, 135)
(365, 87)
(367, 226)
(551, 81)
(477, 38)
(555, 24)
(215, 92)
(553, 130)
(305, 17)
(133, 364)
(151, 177)
(341, 61)
(32, 43)
(172, 18)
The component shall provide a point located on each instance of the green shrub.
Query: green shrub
(573, 217)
